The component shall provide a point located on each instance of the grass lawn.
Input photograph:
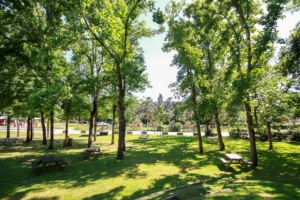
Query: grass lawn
(150, 170)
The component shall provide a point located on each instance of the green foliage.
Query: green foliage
(160, 115)
(176, 127)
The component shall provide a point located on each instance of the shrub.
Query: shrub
(263, 135)
(160, 128)
(177, 127)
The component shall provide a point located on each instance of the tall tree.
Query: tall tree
(249, 46)
(116, 27)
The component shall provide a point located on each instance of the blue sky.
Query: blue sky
(160, 74)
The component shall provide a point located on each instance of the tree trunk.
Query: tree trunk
(43, 128)
(92, 116)
(51, 129)
(28, 131)
(124, 135)
(31, 129)
(18, 128)
(199, 137)
(220, 138)
(8, 127)
(269, 135)
(254, 158)
(207, 128)
(197, 118)
(122, 125)
(95, 125)
(48, 128)
(67, 128)
(113, 124)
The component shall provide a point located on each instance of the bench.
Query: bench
(144, 136)
(95, 155)
(99, 153)
(224, 161)
(247, 162)
(103, 133)
(34, 165)
(62, 162)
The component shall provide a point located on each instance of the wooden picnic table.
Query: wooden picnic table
(92, 151)
(213, 140)
(234, 159)
(47, 160)
(144, 135)
(12, 141)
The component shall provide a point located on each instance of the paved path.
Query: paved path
(60, 131)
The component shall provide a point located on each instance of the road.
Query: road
(60, 131)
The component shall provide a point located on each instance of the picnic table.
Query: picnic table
(12, 141)
(144, 135)
(44, 160)
(92, 151)
(234, 159)
(213, 140)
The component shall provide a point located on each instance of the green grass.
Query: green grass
(150, 170)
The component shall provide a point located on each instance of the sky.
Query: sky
(161, 74)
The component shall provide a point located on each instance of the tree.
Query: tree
(249, 47)
(289, 57)
(181, 38)
(115, 27)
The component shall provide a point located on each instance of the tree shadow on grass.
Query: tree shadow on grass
(112, 194)
(180, 152)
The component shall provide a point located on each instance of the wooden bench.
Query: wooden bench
(144, 136)
(99, 153)
(62, 162)
(247, 162)
(34, 165)
(103, 132)
(95, 155)
(224, 161)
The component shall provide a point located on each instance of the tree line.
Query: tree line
(83, 58)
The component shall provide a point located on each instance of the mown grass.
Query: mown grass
(150, 169)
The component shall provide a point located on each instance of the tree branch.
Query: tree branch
(97, 38)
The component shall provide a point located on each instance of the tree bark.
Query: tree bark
(8, 127)
(18, 128)
(197, 119)
(31, 128)
(92, 117)
(95, 124)
(51, 129)
(122, 124)
(220, 138)
(43, 128)
(269, 135)
(28, 130)
(113, 124)
(67, 128)
(48, 128)
(251, 131)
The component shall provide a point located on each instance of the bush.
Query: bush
(263, 135)
(236, 132)
(160, 128)
(177, 127)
